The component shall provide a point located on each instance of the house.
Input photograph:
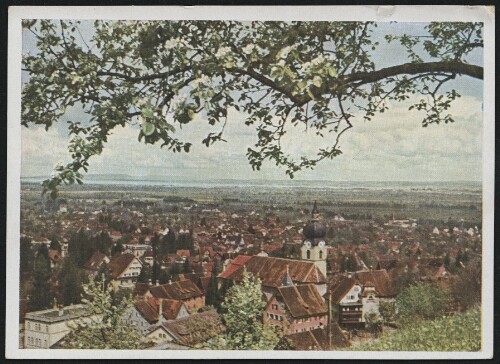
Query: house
(183, 254)
(137, 249)
(45, 328)
(272, 271)
(326, 338)
(381, 281)
(190, 332)
(185, 291)
(94, 263)
(148, 257)
(148, 312)
(124, 270)
(296, 308)
(344, 298)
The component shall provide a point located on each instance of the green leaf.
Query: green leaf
(148, 128)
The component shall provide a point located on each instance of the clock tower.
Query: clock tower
(313, 247)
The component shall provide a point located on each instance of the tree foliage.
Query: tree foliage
(104, 328)
(466, 285)
(40, 295)
(461, 332)
(70, 282)
(421, 301)
(242, 316)
(160, 75)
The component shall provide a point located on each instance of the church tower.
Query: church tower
(313, 247)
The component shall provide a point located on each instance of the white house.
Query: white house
(45, 328)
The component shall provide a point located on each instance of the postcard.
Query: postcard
(266, 182)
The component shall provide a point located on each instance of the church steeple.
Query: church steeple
(315, 211)
(313, 247)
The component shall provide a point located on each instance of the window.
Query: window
(308, 254)
(321, 254)
(46, 328)
(274, 307)
(29, 325)
(45, 343)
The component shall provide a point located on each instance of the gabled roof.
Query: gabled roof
(271, 271)
(181, 290)
(148, 309)
(379, 278)
(340, 287)
(140, 289)
(171, 308)
(303, 300)
(119, 263)
(318, 339)
(95, 261)
(195, 329)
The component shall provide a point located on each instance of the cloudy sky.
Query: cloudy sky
(392, 147)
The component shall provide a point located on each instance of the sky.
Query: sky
(391, 147)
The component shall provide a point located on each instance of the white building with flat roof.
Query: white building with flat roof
(45, 328)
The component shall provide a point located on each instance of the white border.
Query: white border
(330, 13)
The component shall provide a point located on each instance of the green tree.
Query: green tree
(421, 301)
(466, 285)
(26, 255)
(373, 322)
(212, 296)
(70, 282)
(145, 274)
(118, 248)
(461, 332)
(103, 274)
(78, 247)
(55, 245)
(40, 296)
(104, 329)
(387, 311)
(186, 266)
(321, 75)
(242, 316)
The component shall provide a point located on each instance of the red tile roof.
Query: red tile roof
(381, 280)
(317, 339)
(195, 329)
(271, 271)
(140, 289)
(119, 263)
(181, 290)
(183, 253)
(303, 300)
(95, 261)
(340, 287)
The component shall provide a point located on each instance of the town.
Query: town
(331, 265)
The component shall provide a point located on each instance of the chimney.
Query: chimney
(169, 281)
(160, 309)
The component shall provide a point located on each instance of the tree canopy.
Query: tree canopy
(242, 317)
(158, 75)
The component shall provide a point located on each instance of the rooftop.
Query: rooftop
(57, 315)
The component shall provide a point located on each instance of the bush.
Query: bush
(461, 332)
(421, 301)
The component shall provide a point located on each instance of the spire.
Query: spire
(315, 211)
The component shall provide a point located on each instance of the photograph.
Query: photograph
(285, 182)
